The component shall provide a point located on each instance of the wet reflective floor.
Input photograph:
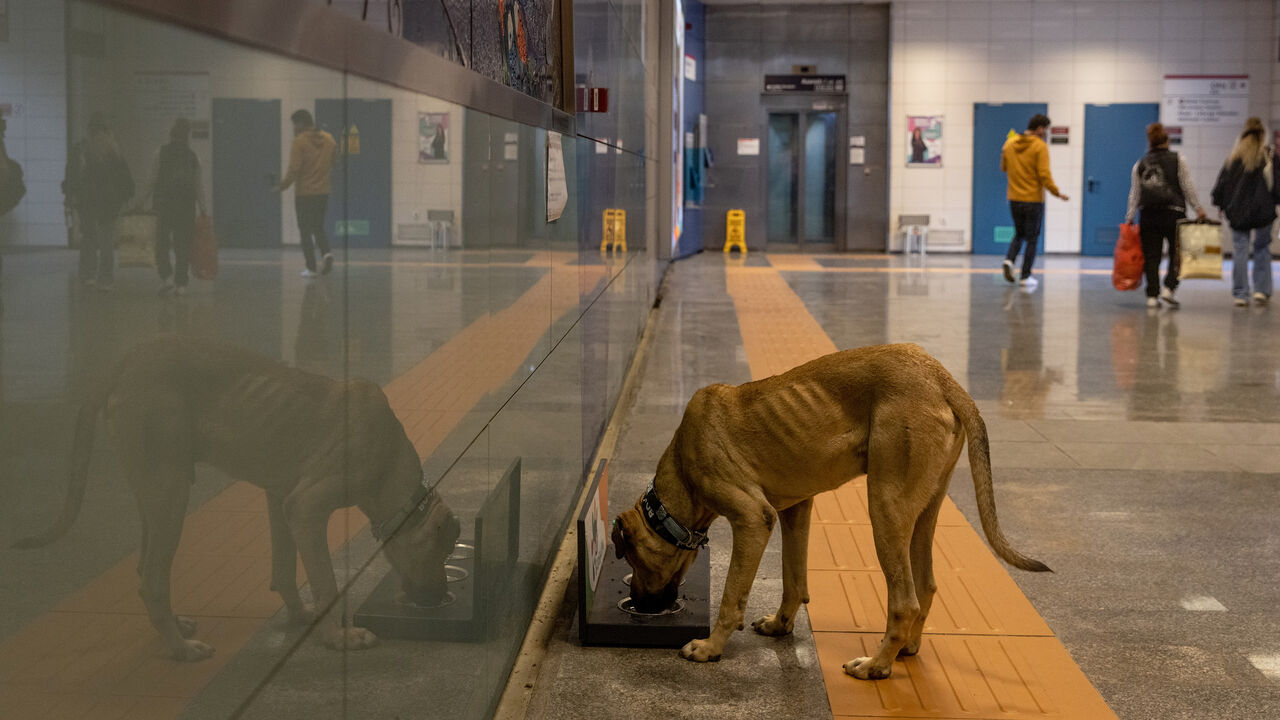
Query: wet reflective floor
(1136, 451)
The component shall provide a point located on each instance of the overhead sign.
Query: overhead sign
(1205, 100)
(804, 83)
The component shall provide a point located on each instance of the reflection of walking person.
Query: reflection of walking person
(918, 148)
(1247, 192)
(98, 184)
(1160, 187)
(1025, 159)
(176, 192)
(311, 160)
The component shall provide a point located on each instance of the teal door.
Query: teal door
(246, 166)
(992, 225)
(359, 214)
(1114, 138)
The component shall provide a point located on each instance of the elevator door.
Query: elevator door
(801, 204)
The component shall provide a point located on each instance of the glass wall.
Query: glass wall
(271, 482)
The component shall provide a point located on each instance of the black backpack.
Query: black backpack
(1158, 181)
(12, 188)
(176, 183)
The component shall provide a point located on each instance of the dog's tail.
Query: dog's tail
(78, 475)
(980, 466)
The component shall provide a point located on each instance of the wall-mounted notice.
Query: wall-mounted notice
(1175, 134)
(748, 146)
(557, 187)
(1205, 100)
(1059, 135)
(857, 149)
(690, 68)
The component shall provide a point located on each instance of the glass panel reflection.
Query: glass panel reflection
(223, 449)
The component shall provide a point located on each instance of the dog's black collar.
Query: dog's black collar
(424, 497)
(670, 529)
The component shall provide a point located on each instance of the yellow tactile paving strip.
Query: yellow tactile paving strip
(987, 652)
(95, 655)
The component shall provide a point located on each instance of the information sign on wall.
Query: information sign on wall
(804, 83)
(748, 146)
(1059, 135)
(1205, 100)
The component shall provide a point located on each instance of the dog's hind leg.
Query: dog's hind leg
(284, 562)
(922, 553)
(795, 579)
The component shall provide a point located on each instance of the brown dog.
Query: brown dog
(761, 451)
(313, 443)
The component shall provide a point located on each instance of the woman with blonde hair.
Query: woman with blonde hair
(1161, 188)
(1247, 193)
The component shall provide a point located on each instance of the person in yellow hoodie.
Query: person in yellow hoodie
(1025, 159)
(311, 159)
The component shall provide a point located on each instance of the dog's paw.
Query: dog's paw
(186, 625)
(699, 651)
(191, 651)
(863, 669)
(911, 648)
(771, 626)
(350, 638)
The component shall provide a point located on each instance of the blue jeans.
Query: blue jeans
(1027, 217)
(1261, 242)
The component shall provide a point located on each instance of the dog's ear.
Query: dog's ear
(619, 537)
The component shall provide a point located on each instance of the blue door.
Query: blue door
(992, 225)
(359, 213)
(1114, 138)
(246, 166)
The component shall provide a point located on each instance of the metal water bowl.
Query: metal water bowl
(626, 606)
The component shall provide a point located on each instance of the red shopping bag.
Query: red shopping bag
(1126, 274)
(204, 250)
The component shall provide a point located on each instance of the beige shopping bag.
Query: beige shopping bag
(1200, 242)
(136, 240)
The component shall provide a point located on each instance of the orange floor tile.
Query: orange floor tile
(95, 655)
(987, 652)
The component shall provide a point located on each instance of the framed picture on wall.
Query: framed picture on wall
(433, 143)
(924, 141)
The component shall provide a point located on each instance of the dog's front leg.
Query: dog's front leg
(284, 562)
(750, 536)
(308, 519)
(795, 568)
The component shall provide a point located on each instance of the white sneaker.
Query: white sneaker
(1153, 302)
(326, 263)
(1007, 267)
(1260, 298)
(1167, 295)
(1241, 302)
(1029, 283)
(310, 274)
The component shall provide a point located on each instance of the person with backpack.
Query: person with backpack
(97, 187)
(1161, 187)
(1247, 193)
(176, 192)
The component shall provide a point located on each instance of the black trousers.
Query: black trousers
(310, 210)
(1027, 217)
(1156, 226)
(174, 231)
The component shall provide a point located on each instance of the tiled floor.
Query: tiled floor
(1135, 452)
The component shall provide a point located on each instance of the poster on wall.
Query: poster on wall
(433, 144)
(924, 141)
(677, 134)
(557, 185)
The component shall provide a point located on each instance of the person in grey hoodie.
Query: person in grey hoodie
(1161, 188)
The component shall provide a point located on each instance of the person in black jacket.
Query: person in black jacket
(176, 192)
(1161, 187)
(1247, 193)
(98, 185)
